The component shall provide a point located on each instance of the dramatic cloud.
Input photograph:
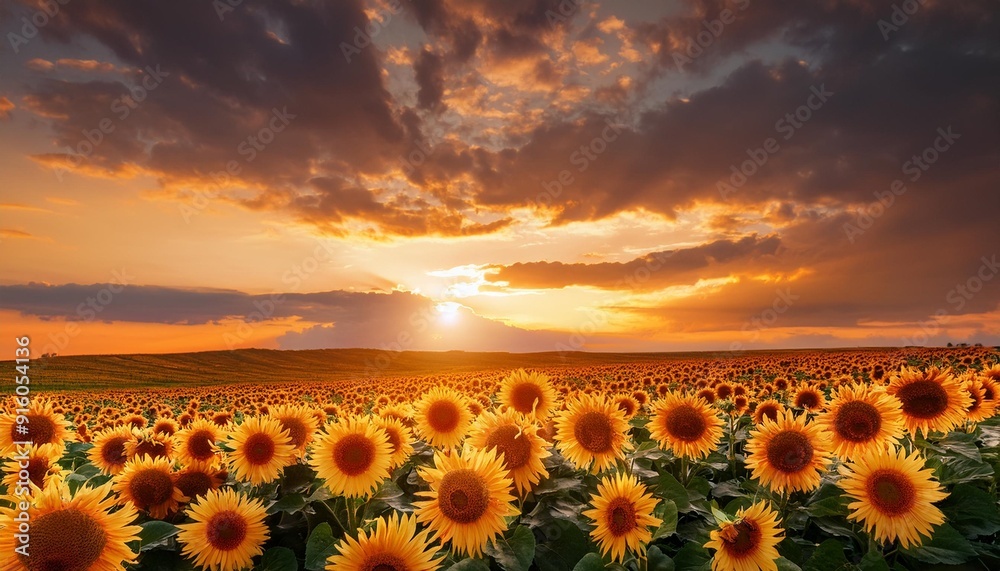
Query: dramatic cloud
(674, 165)
(652, 271)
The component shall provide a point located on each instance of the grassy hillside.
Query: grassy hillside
(272, 366)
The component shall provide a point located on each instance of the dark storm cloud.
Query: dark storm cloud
(658, 269)
(394, 320)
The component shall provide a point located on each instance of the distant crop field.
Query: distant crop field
(871, 459)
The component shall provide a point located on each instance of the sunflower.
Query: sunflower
(747, 543)
(592, 432)
(933, 400)
(687, 425)
(300, 422)
(809, 399)
(788, 454)
(622, 514)
(860, 418)
(166, 426)
(530, 394)
(197, 478)
(394, 545)
(149, 443)
(894, 495)
(108, 452)
(442, 417)
(42, 464)
(516, 439)
(469, 497)
(39, 425)
(227, 533)
(353, 456)
(403, 412)
(400, 439)
(78, 532)
(197, 442)
(628, 405)
(151, 485)
(769, 408)
(981, 408)
(261, 449)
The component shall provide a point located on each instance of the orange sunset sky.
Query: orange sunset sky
(514, 175)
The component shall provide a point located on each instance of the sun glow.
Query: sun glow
(448, 312)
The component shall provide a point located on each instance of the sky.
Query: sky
(500, 175)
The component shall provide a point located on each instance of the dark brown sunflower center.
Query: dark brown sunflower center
(164, 428)
(41, 430)
(443, 416)
(923, 399)
(890, 492)
(807, 399)
(463, 496)
(353, 454)
(200, 444)
(627, 406)
(37, 468)
(857, 421)
(194, 484)
(977, 401)
(708, 395)
(384, 562)
(723, 391)
(744, 536)
(685, 422)
(594, 432)
(151, 448)
(789, 451)
(988, 393)
(113, 451)
(621, 517)
(226, 530)
(769, 411)
(150, 487)
(259, 449)
(514, 446)
(523, 397)
(65, 540)
(297, 430)
(395, 439)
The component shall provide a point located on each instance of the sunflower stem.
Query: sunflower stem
(333, 513)
(351, 523)
(732, 444)
(642, 561)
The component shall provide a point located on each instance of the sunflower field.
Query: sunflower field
(820, 461)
